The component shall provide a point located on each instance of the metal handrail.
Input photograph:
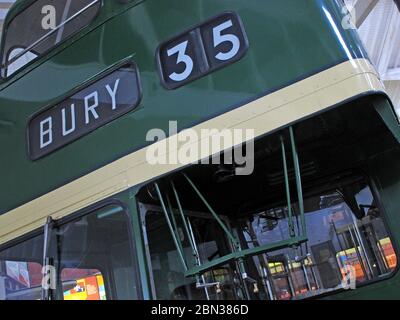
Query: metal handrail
(298, 182)
(185, 224)
(174, 224)
(171, 229)
(240, 254)
(287, 186)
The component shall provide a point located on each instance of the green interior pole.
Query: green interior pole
(298, 182)
(194, 251)
(220, 222)
(287, 186)
(174, 224)
(180, 253)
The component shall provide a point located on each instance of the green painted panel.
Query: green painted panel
(289, 40)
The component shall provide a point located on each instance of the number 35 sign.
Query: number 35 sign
(204, 49)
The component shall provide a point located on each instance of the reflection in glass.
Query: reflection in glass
(21, 270)
(30, 34)
(348, 244)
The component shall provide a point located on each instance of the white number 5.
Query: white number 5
(220, 38)
(184, 58)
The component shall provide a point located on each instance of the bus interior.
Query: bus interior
(306, 222)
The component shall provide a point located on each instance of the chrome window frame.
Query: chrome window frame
(4, 65)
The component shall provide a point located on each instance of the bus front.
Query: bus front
(194, 150)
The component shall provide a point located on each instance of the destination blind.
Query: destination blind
(101, 102)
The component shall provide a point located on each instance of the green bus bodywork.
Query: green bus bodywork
(290, 40)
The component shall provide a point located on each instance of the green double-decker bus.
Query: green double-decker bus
(101, 99)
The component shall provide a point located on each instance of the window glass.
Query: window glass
(41, 26)
(83, 284)
(168, 272)
(90, 258)
(348, 244)
(344, 248)
(5, 7)
(94, 257)
(21, 270)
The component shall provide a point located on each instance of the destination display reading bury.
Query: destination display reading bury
(101, 102)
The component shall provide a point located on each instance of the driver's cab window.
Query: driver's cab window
(40, 27)
(94, 257)
(88, 258)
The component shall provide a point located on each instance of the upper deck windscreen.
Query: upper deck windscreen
(40, 27)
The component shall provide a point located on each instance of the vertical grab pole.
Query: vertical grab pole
(298, 183)
(189, 235)
(235, 242)
(289, 201)
(171, 210)
(220, 222)
(181, 257)
(194, 251)
(198, 277)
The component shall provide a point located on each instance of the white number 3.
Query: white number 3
(220, 38)
(184, 58)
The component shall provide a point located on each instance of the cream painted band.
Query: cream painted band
(268, 113)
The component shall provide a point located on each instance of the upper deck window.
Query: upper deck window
(42, 26)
